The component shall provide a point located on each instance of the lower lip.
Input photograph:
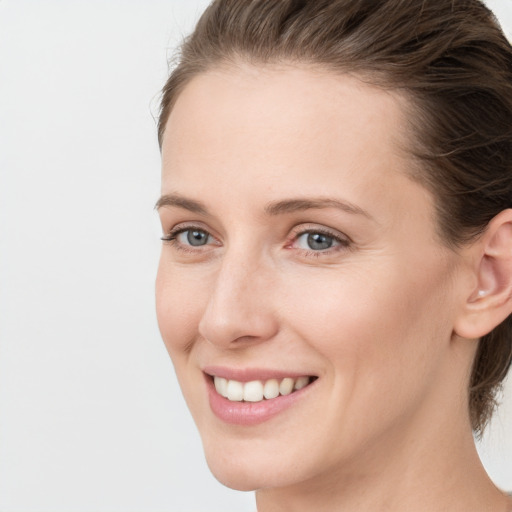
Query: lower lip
(250, 413)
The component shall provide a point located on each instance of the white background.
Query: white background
(91, 417)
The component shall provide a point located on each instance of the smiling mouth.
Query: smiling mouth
(259, 390)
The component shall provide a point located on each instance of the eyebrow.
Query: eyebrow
(296, 205)
(274, 208)
(181, 202)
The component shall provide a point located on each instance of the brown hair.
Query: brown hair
(449, 57)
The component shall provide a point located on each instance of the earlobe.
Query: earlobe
(490, 302)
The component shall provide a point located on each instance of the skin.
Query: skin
(375, 317)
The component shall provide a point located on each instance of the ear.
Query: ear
(489, 302)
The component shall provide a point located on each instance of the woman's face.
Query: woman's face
(300, 252)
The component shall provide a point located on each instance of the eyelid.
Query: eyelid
(316, 228)
(343, 241)
(183, 227)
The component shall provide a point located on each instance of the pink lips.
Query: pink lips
(249, 413)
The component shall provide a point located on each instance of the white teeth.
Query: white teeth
(271, 389)
(256, 390)
(253, 391)
(221, 385)
(301, 382)
(286, 386)
(235, 391)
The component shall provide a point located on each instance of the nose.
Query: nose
(240, 306)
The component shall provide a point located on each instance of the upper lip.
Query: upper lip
(250, 374)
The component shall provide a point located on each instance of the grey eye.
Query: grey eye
(316, 241)
(194, 237)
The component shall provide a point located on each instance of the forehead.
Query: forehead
(286, 130)
(274, 104)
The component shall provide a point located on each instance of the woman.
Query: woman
(336, 275)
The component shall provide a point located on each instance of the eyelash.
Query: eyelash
(343, 242)
(171, 238)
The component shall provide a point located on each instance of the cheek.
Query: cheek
(371, 304)
(381, 331)
(179, 305)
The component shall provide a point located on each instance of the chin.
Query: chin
(247, 479)
(250, 465)
(239, 469)
(237, 480)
